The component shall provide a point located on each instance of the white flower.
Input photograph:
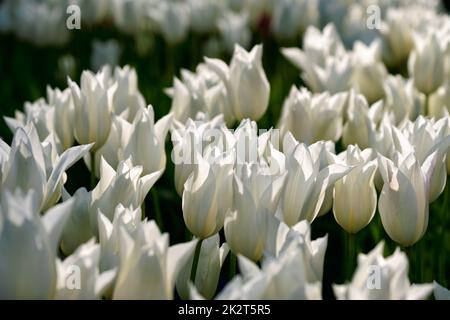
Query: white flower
(379, 278)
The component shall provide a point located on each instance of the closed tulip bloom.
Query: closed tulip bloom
(426, 64)
(306, 184)
(234, 29)
(171, 19)
(93, 105)
(354, 196)
(379, 278)
(211, 259)
(439, 103)
(255, 197)
(403, 202)
(207, 195)
(148, 266)
(28, 246)
(245, 81)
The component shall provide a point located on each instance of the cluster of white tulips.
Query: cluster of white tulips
(354, 142)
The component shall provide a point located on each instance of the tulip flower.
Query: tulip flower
(148, 266)
(355, 212)
(306, 184)
(128, 219)
(403, 202)
(234, 29)
(79, 227)
(207, 195)
(63, 115)
(83, 263)
(212, 257)
(379, 278)
(127, 100)
(93, 105)
(145, 144)
(172, 20)
(282, 238)
(256, 195)
(359, 127)
(28, 245)
(311, 118)
(426, 64)
(370, 72)
(439, 105)
(126, 186)
(245, 81)
(36, 166)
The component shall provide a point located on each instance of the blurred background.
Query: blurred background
(159, 38)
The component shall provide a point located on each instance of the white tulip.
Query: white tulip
(245, 81)
(210, 262)
(79, 226)
(93, 105)
(281, 238)
(148, 266)
(354, 196)
(207, 195)
(359, 127)
(28, 246)
(426, 64)
(172, 20)
(234, 29)
(256, 195)
(403, 202)
(63, 115)
(312, 117)
(145, 144)
(370, 72)
(379, 278)
(128, 219)
(31, 165)
(79, 277)
(124, 185)
(306, 185)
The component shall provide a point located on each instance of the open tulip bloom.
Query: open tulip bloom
(291, 149)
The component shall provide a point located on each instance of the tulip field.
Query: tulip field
(224, 149)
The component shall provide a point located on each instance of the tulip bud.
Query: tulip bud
(403, 202)
(354, 213)
(426, 64)
(207, 195)
(255, 197)
(63, 116)
(246, 82)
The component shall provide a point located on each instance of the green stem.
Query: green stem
(350, 254)
(93, 177)
(411, 261)
(158, 216)
(426, 105)
(143, 210)
(232, 265)
(195, 261)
